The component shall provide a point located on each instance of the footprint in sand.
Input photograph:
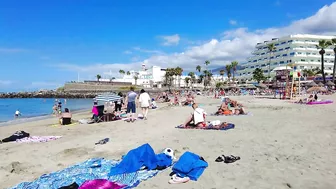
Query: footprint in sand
(15, 167)
(80, 151)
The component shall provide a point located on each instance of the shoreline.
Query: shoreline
(36, 118)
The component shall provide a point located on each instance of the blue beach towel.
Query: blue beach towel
(139, 157)
(88, 170)
(190, 165)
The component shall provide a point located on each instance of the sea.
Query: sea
(36, 108)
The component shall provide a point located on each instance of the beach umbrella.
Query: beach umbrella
(109, 97)
(316, 89)
(320, 84)
(312, 84)
(330, 83)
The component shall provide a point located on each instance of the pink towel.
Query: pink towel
(100, 184)
(37, 139)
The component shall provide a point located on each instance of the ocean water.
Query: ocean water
(34, 108)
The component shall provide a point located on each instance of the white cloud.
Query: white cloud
(147, 50)
(6, 82)
(233, 22)
(127, 52)
(170, 40)
(234, 44)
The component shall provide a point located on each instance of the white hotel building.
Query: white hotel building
(298, 49)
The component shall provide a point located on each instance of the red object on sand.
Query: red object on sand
(100, 184)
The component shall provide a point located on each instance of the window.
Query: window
(308, 53)
(328, 54)
(299, 52)
(312, 60)
(262, 53)
(284, 55)
(272, 57)
(259, 59)
(277, 56)
(302, 67)
(248, 72)
(265, 71)
(277, 44)
(254, 60)
(319, 60)
(280, 49)
(292, 54)
(303, 60)
(290, 41)
(252, 67)
(287, 48)
(275, 63)
(313, 53)
(283, 43)
(282, 62)
(263, 65)
(301, 46)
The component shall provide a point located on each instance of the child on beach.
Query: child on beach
(17, 113)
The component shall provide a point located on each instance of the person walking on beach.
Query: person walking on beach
(17, 113)
(131, 105)
(144, 101)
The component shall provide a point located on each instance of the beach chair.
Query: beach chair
(100, 113)
(66, 121)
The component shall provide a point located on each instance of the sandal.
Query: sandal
(219, 159)
(230, 159)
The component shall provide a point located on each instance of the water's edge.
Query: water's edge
(36, 118)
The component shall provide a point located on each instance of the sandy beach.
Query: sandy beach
(281, 145)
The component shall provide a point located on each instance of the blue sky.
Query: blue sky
(45, 43)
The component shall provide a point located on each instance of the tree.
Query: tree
(98, 77)
(122, 72)
(228, 71)
(198, 68)
(207, 62)
(258, 75)
(222, 72)
(333, 41)
(271, 48)
(323, 44)
(128, 73)
(219, 85)
(192, 78)
(187, 80)
(234, 65)
(178, 72)
(308, 73)
(169, 77)
(136, 77)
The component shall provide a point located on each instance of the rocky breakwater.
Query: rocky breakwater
(47, 94)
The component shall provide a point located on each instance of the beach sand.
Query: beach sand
(281, 145)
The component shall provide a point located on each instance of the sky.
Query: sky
(46, 43)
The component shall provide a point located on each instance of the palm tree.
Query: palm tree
(333, 41)
(136, 77)
(222, 72)
(234, 65)
(128, 73)
(122, 72)
(198, 68)
(179, 72)
(98, 77)
(192, 78)
(323, 44)
(228, 71)
(271, 48)
(207, 62)
(186, 80)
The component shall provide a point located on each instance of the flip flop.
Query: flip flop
(230, 159)
(219, 159)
